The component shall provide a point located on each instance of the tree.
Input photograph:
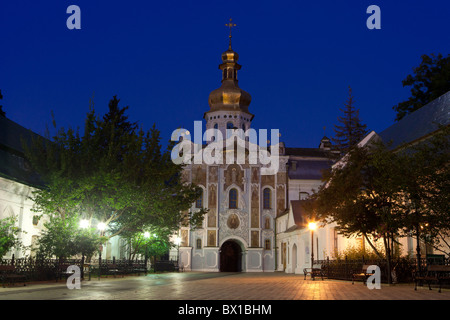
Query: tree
(360, 195)
(352, 129)
(2, 113)
(9, 235)
(430, 80)
(426, 186)
(114, 173)
(63, 238)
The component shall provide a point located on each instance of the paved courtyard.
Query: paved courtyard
(217, 286)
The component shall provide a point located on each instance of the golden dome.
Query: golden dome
(229, 96)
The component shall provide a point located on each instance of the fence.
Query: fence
(48, 269)
(401, 269)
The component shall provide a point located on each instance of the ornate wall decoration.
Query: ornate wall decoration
(212, 220)
(233, 174)
(255, 206)
(184, 238)
(281, 178)
(281, 195)
(255, 175)
(199, 175)
(255, 239)
(212, 196)
(213, 174)
(211, 238)
(240, 230)
(233, 221)
(268, 180)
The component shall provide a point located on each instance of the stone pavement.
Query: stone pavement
(217, 286)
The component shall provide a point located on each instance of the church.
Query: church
(244, 199)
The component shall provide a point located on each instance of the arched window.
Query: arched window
(233, 199)
(267, 195)
(199, 243)
(199, 201)
(230, 127)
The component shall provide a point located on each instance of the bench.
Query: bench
(9, 274)
(315, 271)
(434, 273)
(115, 269)
(362, 275)
(138, 268)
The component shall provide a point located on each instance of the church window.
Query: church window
(199, 243)
(232, 199)
(216, 126)
(267, 194)
(199, 201)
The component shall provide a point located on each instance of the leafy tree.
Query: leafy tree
(155, 245)
(114, 173)
(426, 186)
(351, 130)
(2, 113)
(430, 80)
(9, 235)
(63, 238)
(359, 194)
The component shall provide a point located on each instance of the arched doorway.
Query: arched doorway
(230, 257)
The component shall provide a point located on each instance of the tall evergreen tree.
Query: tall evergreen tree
(352, 129)
(114, 173)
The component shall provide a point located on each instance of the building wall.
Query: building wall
(14, 201)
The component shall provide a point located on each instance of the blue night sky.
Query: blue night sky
(161, 59)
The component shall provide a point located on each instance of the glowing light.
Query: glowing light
(312, 226)
(84, 224)
(101, 226)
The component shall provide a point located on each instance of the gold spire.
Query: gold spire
(230, 25)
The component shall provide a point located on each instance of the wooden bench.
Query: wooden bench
(362, 275)
(138, 268)
(315, 271)
(9, 274)
(434, 273)
(115, 269)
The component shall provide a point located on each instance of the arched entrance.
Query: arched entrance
(230, 257)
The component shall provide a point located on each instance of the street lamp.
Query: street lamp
(178, 242)
(84, 224)
(312, 226)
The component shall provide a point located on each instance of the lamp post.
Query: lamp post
(84, 224)
(101, 227)
(177, 242)
(146, 236)
(312, 226)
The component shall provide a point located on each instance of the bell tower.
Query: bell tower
(229, 103)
